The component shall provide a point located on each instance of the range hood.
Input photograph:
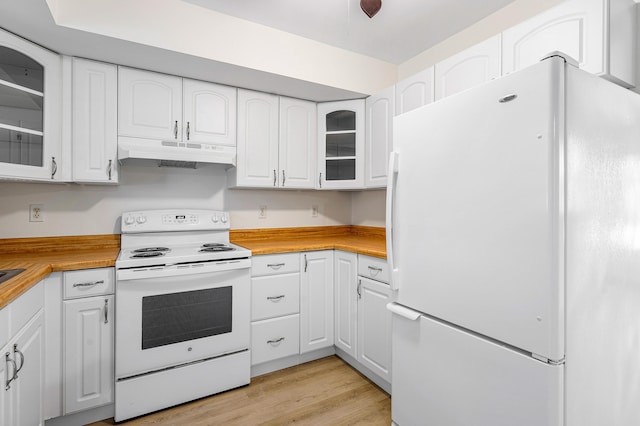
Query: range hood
(175, 154)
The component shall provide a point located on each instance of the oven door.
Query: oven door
(173, 315)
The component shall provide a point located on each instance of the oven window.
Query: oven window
(179, 317)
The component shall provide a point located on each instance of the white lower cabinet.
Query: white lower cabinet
(374, 327)
(316, 300)
(275, 338)
(88, 342)
(362, 321)
(22, 372)
(275, 304)
(346, 302)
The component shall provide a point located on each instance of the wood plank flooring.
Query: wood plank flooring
(322, 392)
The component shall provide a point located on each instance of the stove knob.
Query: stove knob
(129, 220)
(141, 219)
(214, 219)
(224, 218)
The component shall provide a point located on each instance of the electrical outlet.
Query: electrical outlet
(314, 211)
(36, 213)
(262, 212)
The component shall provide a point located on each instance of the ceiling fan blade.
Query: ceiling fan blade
(370, 7)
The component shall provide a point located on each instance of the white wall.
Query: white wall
(71, 209)
(368, 208)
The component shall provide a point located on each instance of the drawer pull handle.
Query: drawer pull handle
(374, 270)
(275, 265)
(275, 298)
(89, 284)
(17, 351)
(8, 360)
(275, 342)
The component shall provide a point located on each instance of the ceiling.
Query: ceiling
(398, 32)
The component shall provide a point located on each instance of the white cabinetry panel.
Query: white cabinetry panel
(88, 352)
(257, 149)
(599, 34)
(380, 110)
(297, 148)
(149, 105)
(415, 91)
(469, 68)
(316, 300)
(209, 113)
(95, 121)
(346, 301)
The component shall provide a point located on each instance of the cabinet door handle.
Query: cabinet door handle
(275, 342)
(275, 298)
(54, 167)
(106, 311)
(109, 168)
(320, 180)
(8, 380)
(374, 270)
(88, 284)
(283, 177)
(305, 263)
(358, 290)
(275, 265)
(275, 177)
(17, 351)
(188, 130)
(175, 130)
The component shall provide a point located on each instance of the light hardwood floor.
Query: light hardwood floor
(322, 392)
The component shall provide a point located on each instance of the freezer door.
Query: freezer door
(478, 210)
(444, 376)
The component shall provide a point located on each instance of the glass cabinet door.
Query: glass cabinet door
(30, 111)
(340, 149)
(21, 108)
(341, 144)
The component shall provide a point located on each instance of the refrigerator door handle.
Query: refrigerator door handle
(403, 311)
(391, 184)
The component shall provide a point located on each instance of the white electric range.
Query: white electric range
(182, 310)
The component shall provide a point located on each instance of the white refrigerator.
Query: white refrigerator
(513, 236)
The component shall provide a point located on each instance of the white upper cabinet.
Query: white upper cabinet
(30, 105)
(159, 106)
(469, 68)
(380, 109)
(276, 142)
(209, 113)
(149, 105)
(415, 91)
(599, 34)
(341, 144)
(257, 149)
(297, 148)
(95, 122)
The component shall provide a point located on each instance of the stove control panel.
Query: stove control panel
(174, 220)
(178, 219)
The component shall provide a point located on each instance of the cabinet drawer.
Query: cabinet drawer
(373, 267)
(25, 307)
(272, 264)
(275, 338)
(275, 295)
(88, 282)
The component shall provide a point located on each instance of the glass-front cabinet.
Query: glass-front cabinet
(341, 145)
(30, 104)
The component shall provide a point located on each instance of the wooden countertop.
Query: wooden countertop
(358, 239)
(41, 256)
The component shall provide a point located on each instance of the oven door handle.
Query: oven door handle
(181, 269)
